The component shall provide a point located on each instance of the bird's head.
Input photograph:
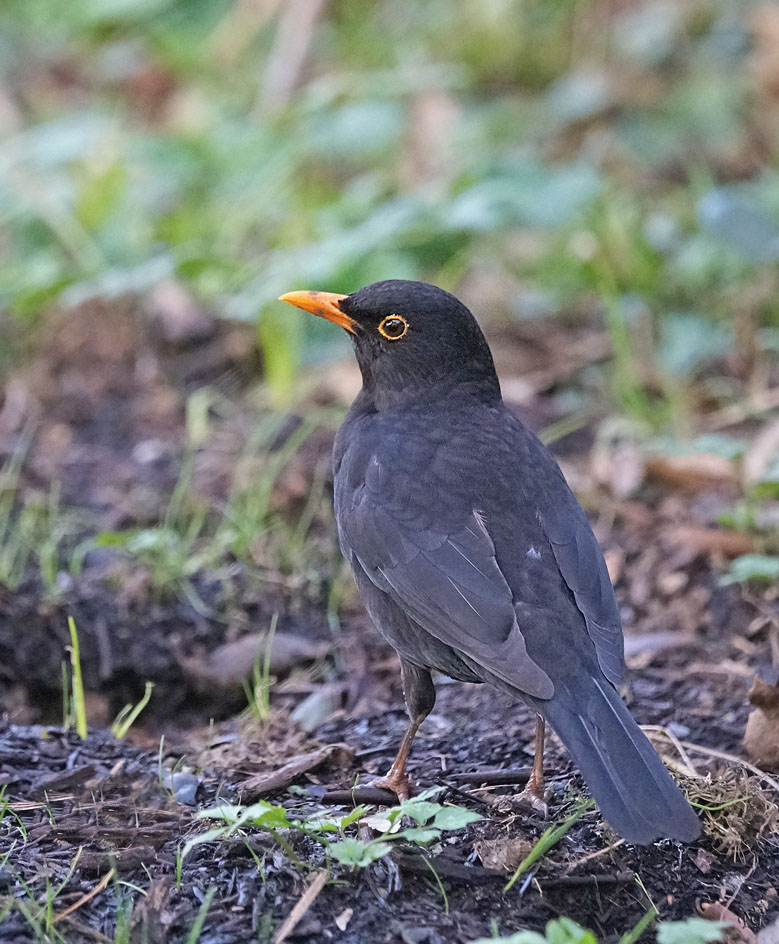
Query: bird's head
(411, 339)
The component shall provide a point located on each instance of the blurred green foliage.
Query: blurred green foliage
(247, 149)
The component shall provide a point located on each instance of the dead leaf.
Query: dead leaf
(151, 917)
(502, 854)
(761, 738)
(343, 919)
(656, 642)
(761, 453)
(716, 541)
(620, 467)
(704, 861)
(306, 900)
(693, 473)
(267, 781)
(715, 911)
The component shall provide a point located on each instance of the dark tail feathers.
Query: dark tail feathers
(635, 793)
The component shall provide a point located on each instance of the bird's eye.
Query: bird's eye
(393, 327)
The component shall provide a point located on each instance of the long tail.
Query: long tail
(634, 791)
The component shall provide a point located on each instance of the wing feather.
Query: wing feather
(450, 584)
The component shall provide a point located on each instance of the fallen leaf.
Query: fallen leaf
(656, 642)
(704, 861)
(761, 454)
(761, 738)
(269, 780)
(718, 541)
(715, 911)
(693, 473)
(502, 854)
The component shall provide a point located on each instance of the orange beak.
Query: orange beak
(323, 304)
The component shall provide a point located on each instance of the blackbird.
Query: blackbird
(471, 554)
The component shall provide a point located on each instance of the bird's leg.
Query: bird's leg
(534, 790)
(419, 692)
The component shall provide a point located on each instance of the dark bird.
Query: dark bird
(471, 553)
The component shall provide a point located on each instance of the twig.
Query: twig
(492, 776)
(605, 878)
(691, 770)
(473, 797)
(305, 901)
(455, 871)
(547, 839)
(731, 758)
(297, 23)
(758, 403)
(594, 855)
(372, 796)
(85, 898)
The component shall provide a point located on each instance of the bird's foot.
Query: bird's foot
(532, 796)
(397, 781)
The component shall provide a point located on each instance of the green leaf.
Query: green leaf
(521, 937)
(454, 817)
(210, 835)
(416, 809)
(273, 817)
(420, 835)
(752, 567)
(566, 931)
(691, 931)
(100, 195)
(561, 931)
(114, 538)
(357, 853)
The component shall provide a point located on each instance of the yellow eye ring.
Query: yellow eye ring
(393, 327)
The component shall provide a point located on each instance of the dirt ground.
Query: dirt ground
(104, 399)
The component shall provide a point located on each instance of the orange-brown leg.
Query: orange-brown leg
(534, 791)
(419, 692)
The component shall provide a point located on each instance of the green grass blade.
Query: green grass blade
(79, 705)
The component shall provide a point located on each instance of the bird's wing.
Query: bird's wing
(446, 578)
(581, 563)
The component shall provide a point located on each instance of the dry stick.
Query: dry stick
(372, 796)
(491, 776)
(691, 770)
(297, 24)
(594, 855)
(305, 901)
(760, 402)
(85, 898)
(731, 758)
(605, 878)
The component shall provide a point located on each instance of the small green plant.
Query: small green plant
(432, 820)
(547, 839)
(258, 690)
(567, 931)
(195, 931)
(129, 714)
(37, 909)
(758, 567)
(74, 705)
